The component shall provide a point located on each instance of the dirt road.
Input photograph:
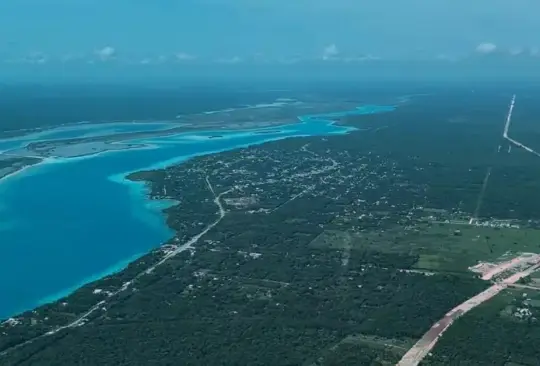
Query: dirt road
(421, 349)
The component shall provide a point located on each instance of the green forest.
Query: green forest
(332, 250)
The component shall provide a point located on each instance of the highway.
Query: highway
(422, 348)
(507, 128)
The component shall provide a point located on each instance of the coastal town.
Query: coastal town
(320, 241)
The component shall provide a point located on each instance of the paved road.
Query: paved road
(81, 320)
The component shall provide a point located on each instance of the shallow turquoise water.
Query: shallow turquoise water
(83, 130)
(73, 221)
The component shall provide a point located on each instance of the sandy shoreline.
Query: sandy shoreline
(87, 148)
(11, 172)
(78, 149)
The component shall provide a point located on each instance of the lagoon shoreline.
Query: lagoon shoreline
(143, 180)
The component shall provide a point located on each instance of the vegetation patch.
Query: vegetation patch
(502, 331)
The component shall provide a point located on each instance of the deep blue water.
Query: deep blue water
(70, 222)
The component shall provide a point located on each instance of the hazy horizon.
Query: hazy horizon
(88, 39)
(474, 70)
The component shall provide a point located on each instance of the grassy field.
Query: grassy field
(379, 351)
(440, 247)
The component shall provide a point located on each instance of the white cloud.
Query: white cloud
(260, 57)
(71, 57)
(36, 58)
(162, 59)
(106, 53)
(181, 56)
(515, 51)
(486, 48)
(330, 52)
(289, 60)
(367, 57)
(446, 57)
(157, 60)
(232, 60)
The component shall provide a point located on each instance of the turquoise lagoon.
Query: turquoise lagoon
(83, 130)
(69, 222)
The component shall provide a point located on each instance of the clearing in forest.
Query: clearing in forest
(442, 247)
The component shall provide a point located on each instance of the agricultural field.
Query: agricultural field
(441, 247)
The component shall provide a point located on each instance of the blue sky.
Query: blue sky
(281, 31)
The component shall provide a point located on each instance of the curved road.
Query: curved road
(188, 245)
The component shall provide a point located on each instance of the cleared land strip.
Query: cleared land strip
(507, 127)
(489, 270)
(422, 348)
(481, 196)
